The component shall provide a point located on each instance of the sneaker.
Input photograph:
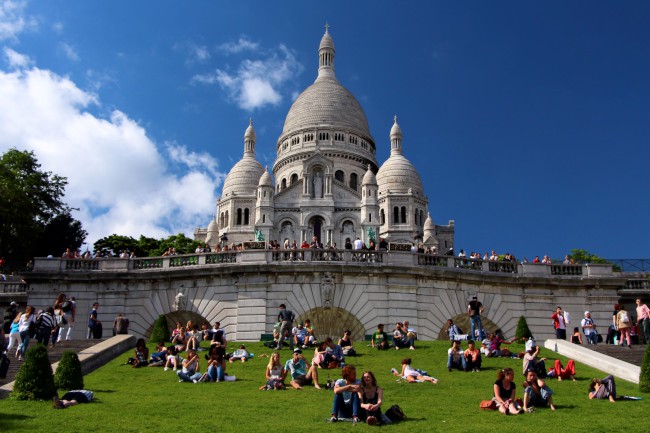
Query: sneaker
(371, 420)
(304, 346)
(333, 419)
(195, 381)
(355, 419)
(392, 370)
(167, 368)
(175, 368)
(181, 381)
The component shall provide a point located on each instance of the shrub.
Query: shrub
(523, 331)
(644, 378)
(35, 381)
(160, 331)
(68, 374)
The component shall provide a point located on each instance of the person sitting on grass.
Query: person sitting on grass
(411, 374)
(455, 334)
(334, 354)
(300, 373)
(561, 372)
(603, 388)
(319, 355)
(178, 335)
(494, 345)
(371, 397)
(532, 361)
(505, 392)
(275, 374)
(400, 338)
(158, 357)
(536, 392)
(216, 364)
(346, 344)
(379, 339)
(72, 398)
(141, 354)
(193, 338)
(346, 398)
(456, 357)
(240, 354)
(172, 359)
(473, 357)
(299, 335)
(191, 368)
(311, 335)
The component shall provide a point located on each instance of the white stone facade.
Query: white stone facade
(324, 155)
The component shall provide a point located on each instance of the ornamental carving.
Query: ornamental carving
(328, 287)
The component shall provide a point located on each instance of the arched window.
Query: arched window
(284, 184)
(416, 215)
(369, 217)
(403, 215)
(246, 216)
(239, 216)
(340, 176)
(264, 193)
(395, 215)
(227, 221)
(294, 178)
(263, 218)
(353, 181)
(421, 217)
(221, 220)
(382, 217)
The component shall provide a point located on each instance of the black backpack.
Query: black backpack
(66, 306)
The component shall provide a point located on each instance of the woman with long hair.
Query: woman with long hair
(411, 374)
(275, 373)
(23, 328)
(505, 392)
(14, 335)
(370, 396)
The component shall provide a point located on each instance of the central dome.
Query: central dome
(326, 102)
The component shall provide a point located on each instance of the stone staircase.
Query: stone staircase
(633, 356)
(54, 354)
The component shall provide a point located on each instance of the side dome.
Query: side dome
(326, 102)
(397, 174)
(265, 179)
(243, 177)
(369, 178)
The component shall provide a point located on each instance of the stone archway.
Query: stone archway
(180, 316)
(462, 321)
(332, 322)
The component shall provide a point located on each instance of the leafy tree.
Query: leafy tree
(147, 246)
(182, 243)
(160, 331)
(116, 244)
(584, 256)
(523, 331)
(68, 373)
(34, 380)
(31, 203)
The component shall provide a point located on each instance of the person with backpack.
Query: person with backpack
(9, 316)
(46, 326)
(624, 324)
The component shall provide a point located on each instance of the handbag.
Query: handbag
(395, 413)
(488, 405)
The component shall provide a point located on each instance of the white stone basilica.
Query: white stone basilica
(328, 183)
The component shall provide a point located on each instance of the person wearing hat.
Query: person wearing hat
(531, 360)
(589, 329)
(300, 373)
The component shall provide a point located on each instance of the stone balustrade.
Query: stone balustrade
(351, 257)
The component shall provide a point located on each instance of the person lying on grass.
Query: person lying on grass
(536, 392)
(72, 398)
(411, 374)
(240, 354)
(563, 373)
(603, 388)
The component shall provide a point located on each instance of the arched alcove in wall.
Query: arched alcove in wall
(332, 322)
(180, 316)
(462, 321)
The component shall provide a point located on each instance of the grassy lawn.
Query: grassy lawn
(152, 400)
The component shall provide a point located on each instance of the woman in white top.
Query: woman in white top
(23, 329)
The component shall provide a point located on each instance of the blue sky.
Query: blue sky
(529, 122)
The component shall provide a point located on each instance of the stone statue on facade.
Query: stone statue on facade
(371, 234)
(180, 300)
(318, 186)
(259, 236)
(327, 286)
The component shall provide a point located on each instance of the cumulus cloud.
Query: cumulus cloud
(69, 51)
(117, 175)
(258, 82)
(13, 20)
(15, 59)
(242, 44)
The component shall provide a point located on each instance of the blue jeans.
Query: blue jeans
(451, 364)
(186, 377)
(592, 338)
(159, 356)
(475, 323)
(404, 342)
(341, 409)
(24, 338)
(216, 373)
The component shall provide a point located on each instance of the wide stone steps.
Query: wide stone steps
(633, 355)
(54, 354)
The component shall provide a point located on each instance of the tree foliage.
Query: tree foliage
(160, 331)
(644, 377)
(68, 373)
(145, 246)
(523, 331)
(34, 220)
(34, 380)
(584, 256)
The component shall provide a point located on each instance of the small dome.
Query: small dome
(395, 131)
(266, 180)
(369, 178)
(243, 178)
(326, 41)
(213, 226)
(250, 131)
(428, 223)
(398, 175)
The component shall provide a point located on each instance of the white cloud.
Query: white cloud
(69, 51)
(117, 175)
(243, 44)
(15, 59)
(256, 83)
(193, 53)
(13, 20)
(57, 27)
